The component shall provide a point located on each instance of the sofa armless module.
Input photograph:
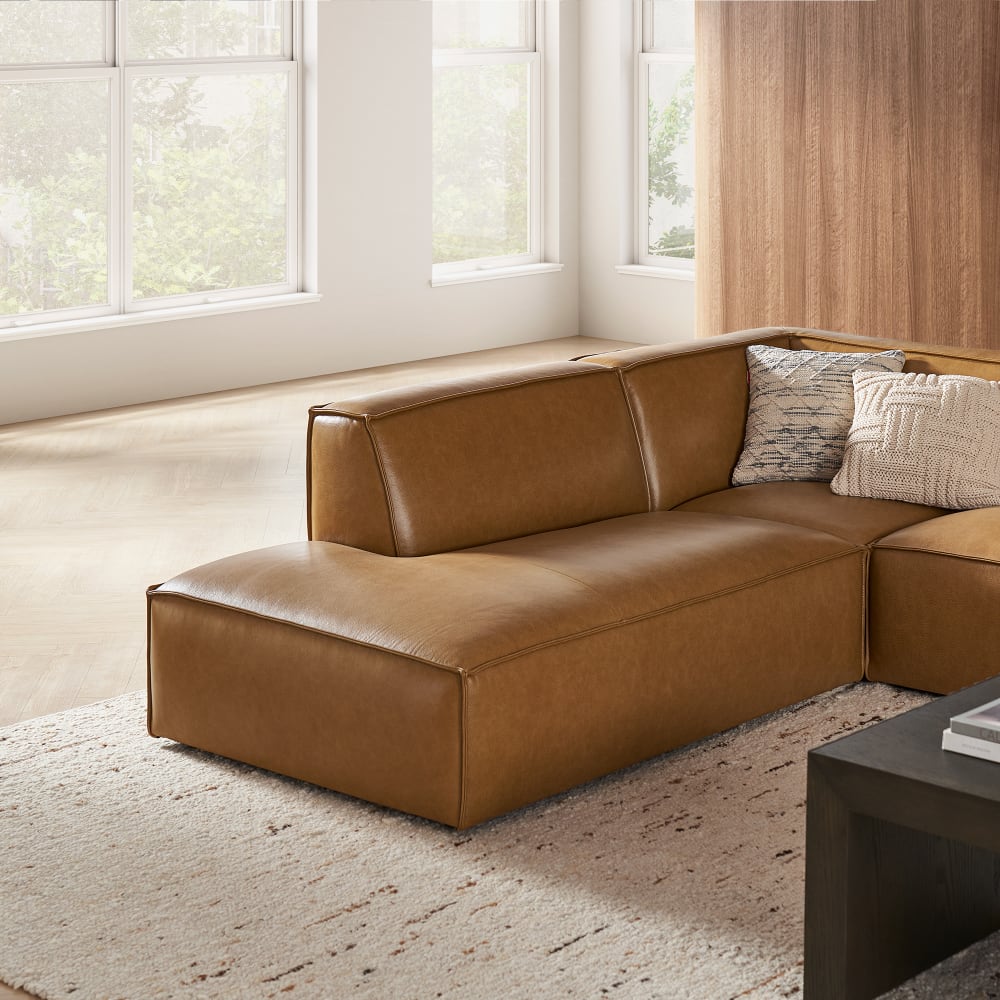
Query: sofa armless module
(489, 612)
(518, 582)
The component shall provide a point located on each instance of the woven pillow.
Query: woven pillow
(931, 439)
(801, 404)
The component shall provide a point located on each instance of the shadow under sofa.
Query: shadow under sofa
(521, 581)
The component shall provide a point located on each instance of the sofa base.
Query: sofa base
(371, 678)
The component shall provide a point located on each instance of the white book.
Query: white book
(969, 745)
(982, 722)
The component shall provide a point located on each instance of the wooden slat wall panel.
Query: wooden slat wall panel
(849, 167)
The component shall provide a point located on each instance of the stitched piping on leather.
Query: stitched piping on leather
(309, 486)
(638, 440)
(385, 486)
(558, 572)
(463, 762)
(486, 664)
(524, 380)
(149, 658)
(936, 552)
(316, 631)
(865, 617)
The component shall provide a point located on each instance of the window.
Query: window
(665, 131)
(487, 135)
(148, 155)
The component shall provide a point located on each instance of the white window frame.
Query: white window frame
(121, 308)
(646, 57)
(539, 117)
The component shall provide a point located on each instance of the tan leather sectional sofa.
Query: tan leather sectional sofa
(519, 582)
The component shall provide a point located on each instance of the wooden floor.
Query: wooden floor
(96, 507)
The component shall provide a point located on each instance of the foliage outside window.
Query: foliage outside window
(486, 134)
(148, 155)
(665, 204)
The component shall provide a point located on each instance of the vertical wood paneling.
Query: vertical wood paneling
(989, 171)
(849, 167)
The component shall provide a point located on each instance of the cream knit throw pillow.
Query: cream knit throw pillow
(930, 439)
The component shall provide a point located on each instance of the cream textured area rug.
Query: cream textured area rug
(137, 868)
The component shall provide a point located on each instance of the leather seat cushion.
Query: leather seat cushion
(814, 505)
(463, 610)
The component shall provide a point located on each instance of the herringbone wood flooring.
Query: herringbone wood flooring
(94, 508)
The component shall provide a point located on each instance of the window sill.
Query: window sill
(646, 271)
(114, 320)
(492, 273)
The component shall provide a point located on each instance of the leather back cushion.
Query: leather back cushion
(690, 405)
(456, 464)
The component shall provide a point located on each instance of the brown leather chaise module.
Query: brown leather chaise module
(518, 582)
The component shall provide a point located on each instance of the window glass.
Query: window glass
(128, 186)
(203, 29)
(490, 24)
(670, 174)
(481, 161)
(53, 195)
(209, 184)
(672, 27)
(51, 31)
(665, 156)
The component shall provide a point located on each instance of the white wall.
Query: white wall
(373, 219)
(619, 306)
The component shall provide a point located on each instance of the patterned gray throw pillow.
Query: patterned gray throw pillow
(801, 406)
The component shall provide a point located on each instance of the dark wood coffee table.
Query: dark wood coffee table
(902, 851)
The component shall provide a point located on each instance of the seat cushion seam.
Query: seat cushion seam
(936, 552)
(677, 606)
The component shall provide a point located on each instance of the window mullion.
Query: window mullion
(110, 31)
(125, 169)
(641, 220)
(535, 160)
(118, 271)
(291, 37)
(293, 178)
(116, 211)
(531, 41)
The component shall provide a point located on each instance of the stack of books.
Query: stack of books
(976, 732)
